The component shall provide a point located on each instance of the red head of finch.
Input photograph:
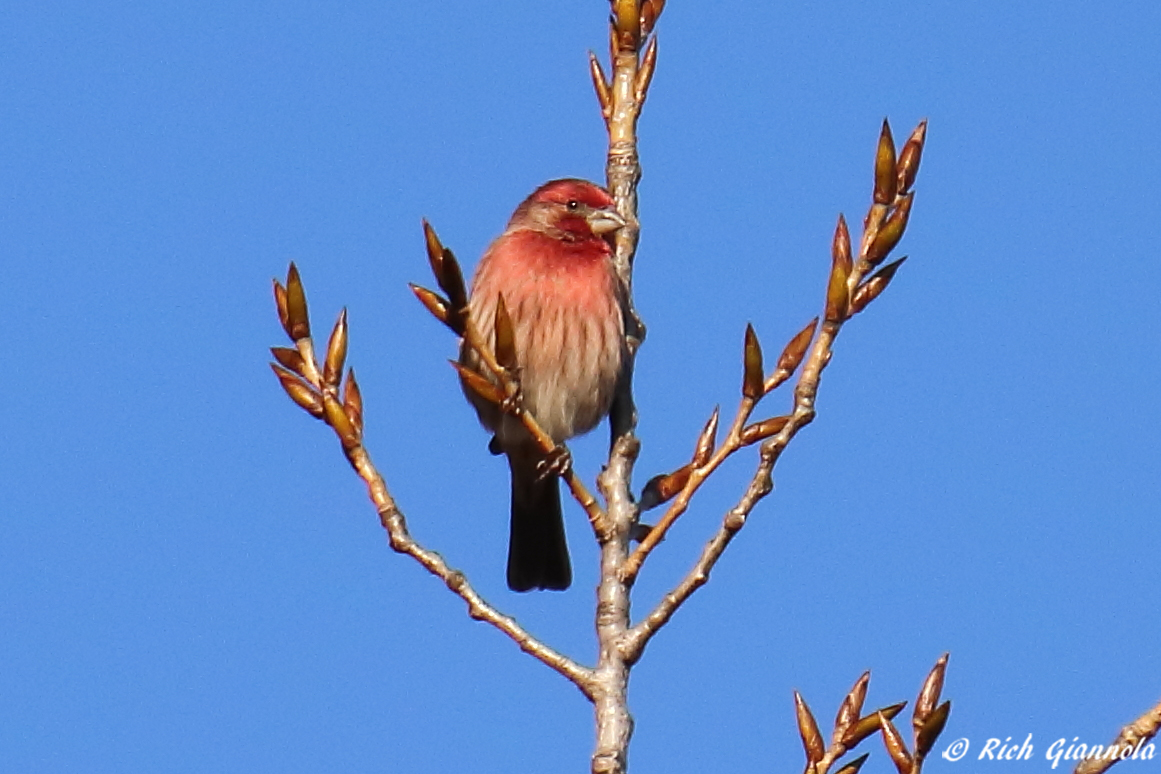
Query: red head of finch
(553, 265)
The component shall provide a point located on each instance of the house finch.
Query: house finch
(554, 267)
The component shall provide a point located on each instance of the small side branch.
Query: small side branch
(688, 479)
(322, 392)
(761, 484)
(401, 540)
(1131, 739)
(848, 292)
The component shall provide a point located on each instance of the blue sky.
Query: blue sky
(191, 578)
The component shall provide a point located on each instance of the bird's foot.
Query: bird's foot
(555, 463)
(513, 404)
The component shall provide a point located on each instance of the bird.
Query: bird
(553, 264)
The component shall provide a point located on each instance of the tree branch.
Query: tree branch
(690, 477)
(631, 25)
(851, 286)
(1132, 738)
(846, 295)
(318, 392)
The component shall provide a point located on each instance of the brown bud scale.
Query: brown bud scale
(297, 318)
(808, 731)
(795, 350)
(600, 85)
(890, 232)
(445, 268)
(707, 440)
(874, 287)
(439, 308)
(290, 359)
(886, 179)
(760, 431)
(299, 391)
(752, 378)
(645, 73)
(869, 724)
(280, 304)
(505, 345)
(840, 250)
(479, 385)
(927, 735)
(353, 401)
(910, 157)
(336, 352)
(452, 281)
(838, 295)
(854, 766)
(929, 693)
(896, 748)
(626, 22)
(337, 418)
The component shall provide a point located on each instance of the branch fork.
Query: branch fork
(854, 281)
(847, 294)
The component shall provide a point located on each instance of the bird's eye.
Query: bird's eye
(573, 205)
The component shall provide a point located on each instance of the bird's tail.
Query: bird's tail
(537, 551)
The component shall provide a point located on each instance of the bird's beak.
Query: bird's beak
(604, 221)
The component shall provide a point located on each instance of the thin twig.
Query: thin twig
(1129, 741)
(680, 504)
(849, 278)
(621, 106)
(514, 407)
(689, 478)
(761, 484)
(401, 540)
(318, 392)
